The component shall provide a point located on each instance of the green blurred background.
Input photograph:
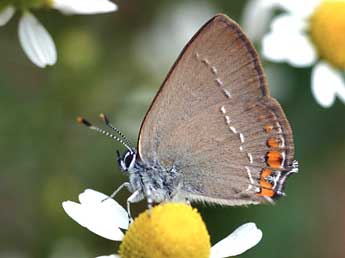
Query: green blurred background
(114, 63)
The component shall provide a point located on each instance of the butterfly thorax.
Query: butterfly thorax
(154, 180)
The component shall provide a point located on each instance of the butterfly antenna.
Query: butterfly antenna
(107, 122)
(83, 121)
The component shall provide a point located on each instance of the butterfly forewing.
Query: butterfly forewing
(214, 121)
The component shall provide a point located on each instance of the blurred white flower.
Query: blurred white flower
(307, 32)
(84, 6)
(6, 14)
(256, 17)
(104, 216)
(35, 40)
(287, 33)
(323, 74)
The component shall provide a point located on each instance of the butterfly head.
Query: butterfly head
(127, 160)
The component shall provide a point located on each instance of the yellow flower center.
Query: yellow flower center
(327, 30)
(171, 230)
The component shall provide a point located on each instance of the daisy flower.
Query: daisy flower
(308, 33)
(35, 40)
(168, 230)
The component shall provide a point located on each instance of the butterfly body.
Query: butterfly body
(153, 181)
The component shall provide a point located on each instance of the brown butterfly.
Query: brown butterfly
(213, 133)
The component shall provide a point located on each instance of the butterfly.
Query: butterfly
(213, 133)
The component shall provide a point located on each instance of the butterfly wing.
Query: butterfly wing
(213, 120)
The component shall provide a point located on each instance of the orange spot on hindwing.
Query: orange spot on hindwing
(273, 142)
(274, 159)
(268, 128)
(266, 186)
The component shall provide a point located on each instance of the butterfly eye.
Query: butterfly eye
(128, 161)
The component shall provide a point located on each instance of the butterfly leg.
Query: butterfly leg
(126, 184)
(149, 198)
(135, 197)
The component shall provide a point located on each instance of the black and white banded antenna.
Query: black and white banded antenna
(107, 122)
(81, 120)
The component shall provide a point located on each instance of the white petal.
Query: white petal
(288, 23)
(84, 6)
(256, 17)
(109, 256)
(90, 196)
(242, 239)
(301, 51)
(108, 206)
(272, 48)
(85, 217)
(37, 43)
(103, 217)
(327, 83)
(6, 14)
(293, 48)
